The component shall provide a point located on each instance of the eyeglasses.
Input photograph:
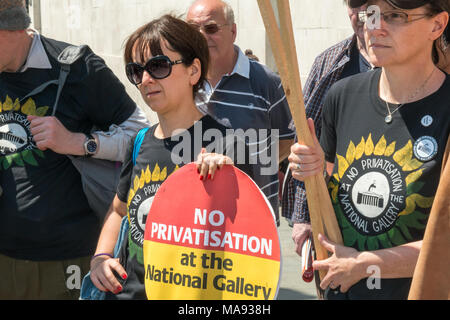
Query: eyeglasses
(393, 17)
(159, 67)
(210, 28)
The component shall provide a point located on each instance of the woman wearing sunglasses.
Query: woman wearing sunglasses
(384, 135)
(167, 60)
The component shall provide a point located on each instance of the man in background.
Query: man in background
(342, 60)
(243, 93)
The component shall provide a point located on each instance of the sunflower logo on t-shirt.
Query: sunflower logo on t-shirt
(16, 142)
(140, 198)
(376, 194)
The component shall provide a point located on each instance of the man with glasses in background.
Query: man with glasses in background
(243, 93)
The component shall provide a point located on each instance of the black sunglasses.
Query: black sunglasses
(210, 28)
(159, 67)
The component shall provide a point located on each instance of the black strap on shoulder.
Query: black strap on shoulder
(67, 57)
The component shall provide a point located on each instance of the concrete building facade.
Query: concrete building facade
(104, 25)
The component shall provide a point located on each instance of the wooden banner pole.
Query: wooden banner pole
(323, 219)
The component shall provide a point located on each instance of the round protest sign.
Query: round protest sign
(211, 240)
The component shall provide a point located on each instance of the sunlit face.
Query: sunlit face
(165, 95)
(221, 43)
(396, 44)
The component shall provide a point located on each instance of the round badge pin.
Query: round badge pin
(425, 148)
(427, 121)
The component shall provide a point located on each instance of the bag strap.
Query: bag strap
(67, 57)
(39, 89)
(138, 142)
(65, 70)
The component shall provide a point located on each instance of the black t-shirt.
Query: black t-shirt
(385, 175)
(157, 160)
(43, 210)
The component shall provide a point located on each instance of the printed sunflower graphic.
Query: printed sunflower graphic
(140, 199)
(376, 194)
(16, 142)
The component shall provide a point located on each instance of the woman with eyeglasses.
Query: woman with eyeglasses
(166, 59)
(383, 139)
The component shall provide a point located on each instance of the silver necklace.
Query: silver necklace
(389, 117)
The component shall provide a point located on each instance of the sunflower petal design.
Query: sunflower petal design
(351, 153)
(156, 173)
(361, 243)
(28, 157)
(342, 165)
(334, 193)
(409, 219)
(8, 104)
(380, 148)
(7, 162)
(142, 179)
(131, 194)
(410, 207)
(16, 106)
(412, 164)
(136, 183)
(413, 177)
(163, 174)
(372, 243)
(148, 175)
(416, 200)
(369, 146)
(404, 155)
(42, 111)
(336, 177)
(396, 237)
(17, 158)
(390, 149)
(360, 149)
(423, 202)
(414, 187)
(29, 108)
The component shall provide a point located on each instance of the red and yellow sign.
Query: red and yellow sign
(211, 240)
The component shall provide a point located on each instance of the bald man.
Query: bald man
(243, 93)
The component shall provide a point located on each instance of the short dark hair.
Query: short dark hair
(181, 37)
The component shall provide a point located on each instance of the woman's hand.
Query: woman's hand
(307, 161)
(208, 163)
(102, 275)
(343, 268)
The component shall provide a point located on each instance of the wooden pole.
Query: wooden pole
(431, 279)
(323, 219)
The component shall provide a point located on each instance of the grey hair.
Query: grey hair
(228, 12)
